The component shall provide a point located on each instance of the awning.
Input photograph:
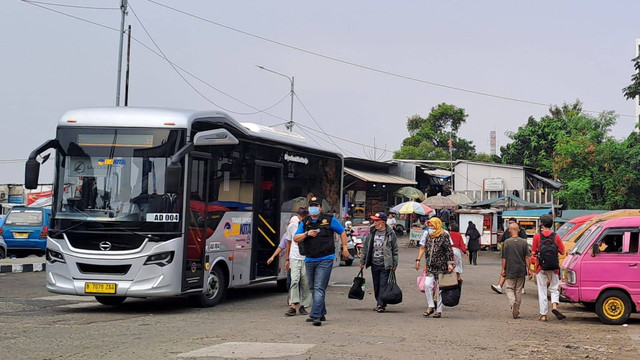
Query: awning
(377, 177)
(551, 183)
(438, 173)
(525, 213)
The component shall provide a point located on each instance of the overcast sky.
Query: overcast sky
(546, 52)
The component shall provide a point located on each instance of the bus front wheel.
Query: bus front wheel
(111, 300)
(214, 289)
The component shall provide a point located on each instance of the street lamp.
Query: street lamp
(289, 125)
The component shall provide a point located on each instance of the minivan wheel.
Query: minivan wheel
(111, 300)
(613, 307)
(3, 253)
(214, 290)
(399, 229)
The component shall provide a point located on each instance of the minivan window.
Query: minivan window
(564, 229)
(24, 217)
(585, 240)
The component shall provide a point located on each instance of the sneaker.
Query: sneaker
(515, 311)
(496, 288)
(291, 312)
(303, 311)
(317, 322)
(523, 290)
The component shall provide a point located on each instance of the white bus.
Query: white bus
(158, 202)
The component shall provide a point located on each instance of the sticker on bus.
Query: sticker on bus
(163, 217)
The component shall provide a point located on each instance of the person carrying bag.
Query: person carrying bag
(435, 245)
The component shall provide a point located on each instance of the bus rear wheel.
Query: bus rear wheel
(613, 307)
(214, 289)
(111, 300)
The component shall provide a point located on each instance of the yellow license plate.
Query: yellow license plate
(20, 235)
(99, 288)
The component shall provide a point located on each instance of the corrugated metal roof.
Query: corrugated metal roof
(378, 177)
(438, 173)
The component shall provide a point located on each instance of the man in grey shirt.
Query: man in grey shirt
(516, 259)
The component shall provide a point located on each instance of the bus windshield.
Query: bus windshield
(115, 175)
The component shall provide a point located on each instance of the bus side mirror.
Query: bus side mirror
(172, 179)
(595, 249)
(31, 174)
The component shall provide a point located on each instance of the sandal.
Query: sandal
(437, 315)
(543, 318)
(558, 314)
(377, 308)
(381, 309)
(428, 312)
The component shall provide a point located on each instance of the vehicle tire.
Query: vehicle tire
(282, 285)
(110, 300)
(214, 289)
(399, 229)
(613, 307)
(3, 253)
(348, 262)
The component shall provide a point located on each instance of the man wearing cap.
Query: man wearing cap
(381, 253)
(315, 239)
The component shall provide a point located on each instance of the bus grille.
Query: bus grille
(103, 269)
(118, 241)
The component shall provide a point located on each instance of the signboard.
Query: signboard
(493, 184)
(415, 234)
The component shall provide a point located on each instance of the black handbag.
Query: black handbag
(357, 289)
(391, 293)
(451, 297)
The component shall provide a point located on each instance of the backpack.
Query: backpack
(548, 252)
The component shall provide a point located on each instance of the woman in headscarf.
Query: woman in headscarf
(473, 244)
(435, 245)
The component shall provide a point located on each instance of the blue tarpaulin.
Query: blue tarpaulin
(525, 213)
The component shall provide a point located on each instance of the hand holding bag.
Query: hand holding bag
(357, 289)
(420, 280)
(391, 293)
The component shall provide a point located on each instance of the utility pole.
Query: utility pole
(126, 81)
(288, 125)
(123, 8)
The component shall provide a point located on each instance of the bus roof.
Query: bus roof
(175, 118)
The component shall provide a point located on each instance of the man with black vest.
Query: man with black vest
(315, 239)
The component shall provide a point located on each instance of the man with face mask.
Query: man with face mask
(315, 239)
(380, 251)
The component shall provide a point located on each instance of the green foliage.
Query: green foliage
(633, 90)
(429, 137)
(596, 170)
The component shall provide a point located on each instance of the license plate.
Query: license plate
(20, 235)
(99, 288)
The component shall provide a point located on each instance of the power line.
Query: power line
(71, 6)
(365, 67)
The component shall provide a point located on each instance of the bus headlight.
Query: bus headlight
(161, 259)
(54, 256)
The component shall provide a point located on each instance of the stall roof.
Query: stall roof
(525, 213)
(571, 214)
(437, 172)
(378, 177)
(551, 183)
(509, 201)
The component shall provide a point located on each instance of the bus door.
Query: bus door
(266, 218)
(197, 230)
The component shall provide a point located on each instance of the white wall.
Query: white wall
(470, 176)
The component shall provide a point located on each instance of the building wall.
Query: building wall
(471, 176)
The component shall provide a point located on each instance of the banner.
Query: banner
(35, 196)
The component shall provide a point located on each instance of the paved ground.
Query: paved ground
(251, 324)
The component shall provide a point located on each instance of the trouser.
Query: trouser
(380, 277)
(318, 273)
(457, 254)
(513, 289)
(430, 284)
(299, 289)
(541, 278)
(473, 257)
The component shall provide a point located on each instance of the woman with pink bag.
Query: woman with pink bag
(435, 245)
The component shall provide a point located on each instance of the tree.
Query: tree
(633, 90)
(429, 137)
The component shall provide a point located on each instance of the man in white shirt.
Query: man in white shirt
(299, 293)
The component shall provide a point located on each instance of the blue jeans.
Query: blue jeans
(318, 273)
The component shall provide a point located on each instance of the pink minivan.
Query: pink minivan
(603, 270)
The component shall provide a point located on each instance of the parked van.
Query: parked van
(568, 229)
(25, 228)
(603, 270)
(571, 239)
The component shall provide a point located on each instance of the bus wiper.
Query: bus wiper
(149, 236)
